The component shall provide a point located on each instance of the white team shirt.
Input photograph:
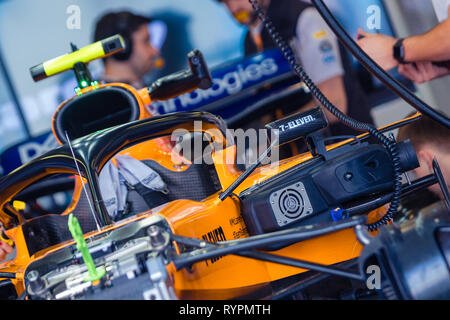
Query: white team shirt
(317, 47)
(441, 9)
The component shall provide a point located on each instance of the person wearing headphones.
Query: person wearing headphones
(420, 58)
(143, 38)
(139, 56)
(317, 49)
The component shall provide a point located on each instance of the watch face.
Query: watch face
(399, 52)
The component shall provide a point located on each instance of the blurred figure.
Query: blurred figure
(139, 56)
(5, 248)
(430, 139)
(129, 66)
(317, 49)
(420, 58)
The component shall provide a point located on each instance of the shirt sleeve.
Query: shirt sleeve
(441, 9)
(317, 47)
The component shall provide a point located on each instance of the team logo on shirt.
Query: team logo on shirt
(325, 46)
(320, 34)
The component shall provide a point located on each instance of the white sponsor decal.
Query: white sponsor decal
(31, 150)
(297, 123)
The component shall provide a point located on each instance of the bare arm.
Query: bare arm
(421, 72)
(334, 90)
(5, 249)
(431, 46)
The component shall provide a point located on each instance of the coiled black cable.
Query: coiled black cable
(390, 145)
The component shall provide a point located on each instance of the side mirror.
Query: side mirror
(196, 77)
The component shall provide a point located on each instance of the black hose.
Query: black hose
(390, 145)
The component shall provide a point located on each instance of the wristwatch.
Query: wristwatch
(399, 51)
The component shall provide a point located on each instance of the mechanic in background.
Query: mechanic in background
(5, 248)
(130, 65)
(139, 56)
(430, 139)
(415, 56)
(317, 49)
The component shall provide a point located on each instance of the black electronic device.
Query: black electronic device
(298, 125)
(310, 192)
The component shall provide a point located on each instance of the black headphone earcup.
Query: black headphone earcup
(125, 54)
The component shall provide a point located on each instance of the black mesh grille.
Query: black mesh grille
(196, 183)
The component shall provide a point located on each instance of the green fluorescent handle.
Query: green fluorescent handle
(94, 273)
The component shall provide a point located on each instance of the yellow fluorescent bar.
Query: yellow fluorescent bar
(97, 50)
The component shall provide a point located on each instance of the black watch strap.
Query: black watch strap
(399, 51)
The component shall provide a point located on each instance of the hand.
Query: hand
(421, 72)
(380, 48)
(4, 250)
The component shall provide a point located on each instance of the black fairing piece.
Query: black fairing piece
(7, 290)
(197, 76)
(306, 193)
(414, 256)
(96, 110)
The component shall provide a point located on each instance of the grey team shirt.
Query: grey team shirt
(441, 9)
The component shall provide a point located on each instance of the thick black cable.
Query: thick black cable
(265, 240)
(390, 145)
(246, 173)
(7, 275)
(301, 264)
(268, 257)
